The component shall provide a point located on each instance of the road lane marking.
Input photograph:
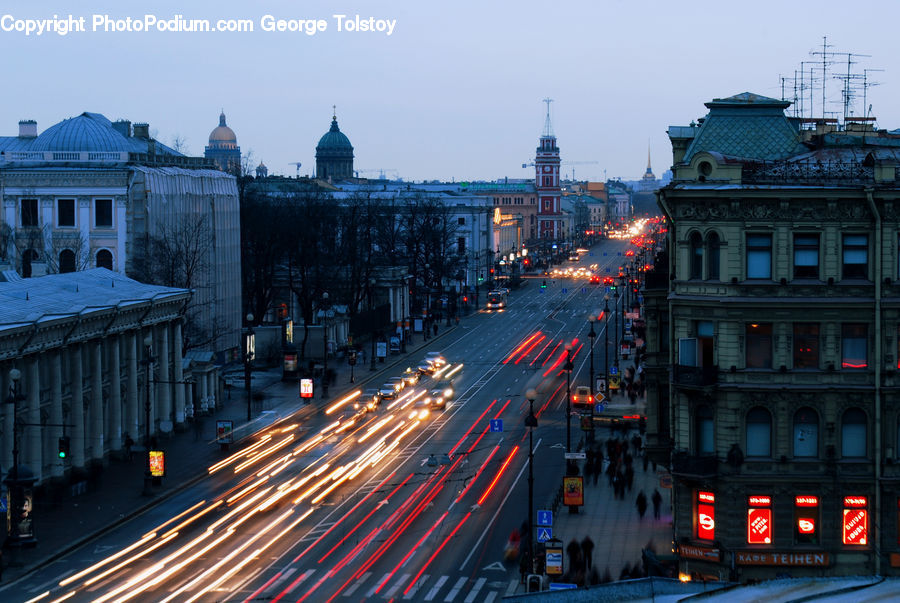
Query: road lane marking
(455, 590)
(377, 585)
(283, 577)
(490, 597)
(393, 590)
(434, 589)
(512, 588)
(349, 592)
(474, 592)
(416, 587)
(299, 580)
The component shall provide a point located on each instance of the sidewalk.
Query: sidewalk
(114, 495)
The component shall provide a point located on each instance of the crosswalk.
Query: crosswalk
(399, 587)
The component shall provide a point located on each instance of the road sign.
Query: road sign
(575, 455)
(601, 384)
(562, 586)
(591, 254)
(583, 290)
(599, 396)
(613, 370)
(565, 290)
(544, 534)
(496, 425)
(544, 518)
(599, 407)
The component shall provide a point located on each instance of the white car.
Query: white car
(435, 359)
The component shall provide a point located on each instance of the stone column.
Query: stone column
(32, 440)
(95, 349)
(56, 412)
(7, 409)
(179, 373)
(201, 378)
(76, 411)
(132, 395)
(164, 375)
(114, 431)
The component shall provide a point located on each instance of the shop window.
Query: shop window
(806, 256)
(853, 434)
(806, 433)
(758, 343)
(855, 530)
(65, 212)
(696, 243)
(855, 256)
(806, 519)
(703, 427)
(759, 256)
(759, 520)
(759, 433)
(705, 518)
(854, 346)
(806, 345)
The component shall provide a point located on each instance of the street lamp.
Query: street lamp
(616, 330)
(147, 361)
(530, 423)
(248, 357)
(372, 320)
(325, 344)
(606, 344)
(19, 480)
(591, 335)
(568, 368)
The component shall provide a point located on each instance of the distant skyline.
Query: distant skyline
(454, 91)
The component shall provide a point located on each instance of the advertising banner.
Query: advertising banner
(157, 463)
(573, 490)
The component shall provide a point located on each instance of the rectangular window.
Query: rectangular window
(856, 521)
(806, 519)
(65, 212)
(460, 245)
(856, 256)
(806, 345)
(806, 256)
(706, 516)
(758, 343)
(854, 346)
(759, 256)
(759, 520)
(461, 221)
(29, 212)
(103, 217)
(687, 351)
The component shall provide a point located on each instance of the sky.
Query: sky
(455, 91)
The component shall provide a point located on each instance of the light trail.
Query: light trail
(227, 461)
(521, 345)
(342, 401)
(433, 555)
(531, 347)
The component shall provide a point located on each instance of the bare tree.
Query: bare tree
(60, 241)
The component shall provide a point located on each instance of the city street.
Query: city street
(404, 503)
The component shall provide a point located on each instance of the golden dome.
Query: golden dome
(222, 133)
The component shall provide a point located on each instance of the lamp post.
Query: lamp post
(606, 343)
(148, 364)
(19, 480)
(372, 320)
(248, 357)
(616, 329)
(568, 368)
(591, 335)
(530, 423)
(325, 344)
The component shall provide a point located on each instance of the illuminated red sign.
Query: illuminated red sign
(855, 502)
(306, 388)
(856, 526)
(760, 501)
(157, 463)
(807, 501)
(759, 526)
(806, 525)
(708, 497)
(706, 522)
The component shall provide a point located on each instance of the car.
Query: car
(582, 397)
(629, 253)
(608, 280)
(441, 394)
(573, 257)
(388, 391)
(425, 368)
(370, 399)
(398, 382)
(595, 280)
(410, 377)
(436, 359)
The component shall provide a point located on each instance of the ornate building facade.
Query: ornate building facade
(546, 181)
(223, 148)
(779, 314)
(334, 154)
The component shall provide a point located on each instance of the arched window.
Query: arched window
(712, 246)
(704, 431)
(759, 432)
(806, 433)
(696, 255)
(66, 261)
(104, 259)
(29, 256)
(853, 434)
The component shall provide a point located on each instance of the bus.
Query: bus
(496, 299)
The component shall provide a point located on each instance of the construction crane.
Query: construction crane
(380, 171)
(298, 164)
(531, 164)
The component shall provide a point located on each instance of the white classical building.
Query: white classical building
(81, 342)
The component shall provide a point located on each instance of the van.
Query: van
(581, 399)
(395, 345)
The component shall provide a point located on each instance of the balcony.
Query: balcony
(695, 376)
(699, 466)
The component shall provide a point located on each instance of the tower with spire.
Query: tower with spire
(223, 148)
(334, 153)
(546, 174)
(648, 180)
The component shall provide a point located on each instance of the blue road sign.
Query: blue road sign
(545, 518)
(496, 425)
(640, 299)
(613, 370)
(604, 253)
(618, 253)
(545, 534)
(562, 586)
(607, 268)
(583, 290)
(565, 290)
(599, 407)
(591, 254)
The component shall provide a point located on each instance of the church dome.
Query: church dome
(222, 134)
(334, 143)
(86, 132)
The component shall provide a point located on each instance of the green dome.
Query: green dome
(334, 143)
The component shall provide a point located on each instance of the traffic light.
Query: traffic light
(63, 447)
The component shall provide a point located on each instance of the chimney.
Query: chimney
(27, 128)
(123, 127)
(142, 130)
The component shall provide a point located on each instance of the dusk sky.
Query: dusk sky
(454, 92)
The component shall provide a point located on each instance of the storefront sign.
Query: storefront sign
(769, 558)
(573, 490)
(699, 552)
(759, 526)
(306, 388)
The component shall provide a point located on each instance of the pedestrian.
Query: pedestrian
(657, 501)
(573, 550)
(641, 503)
(588, 468)
(435, 327)
(457, 320)
(128, 444)
(587, 547)
(598, 468)
(629, 476)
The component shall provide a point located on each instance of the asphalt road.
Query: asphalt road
(404, 503)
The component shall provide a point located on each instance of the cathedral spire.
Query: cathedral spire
(649, 171)
(548, 128)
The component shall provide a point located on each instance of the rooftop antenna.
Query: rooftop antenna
(865, 85)
(825, 63)
(548, 129)
(298, 164)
